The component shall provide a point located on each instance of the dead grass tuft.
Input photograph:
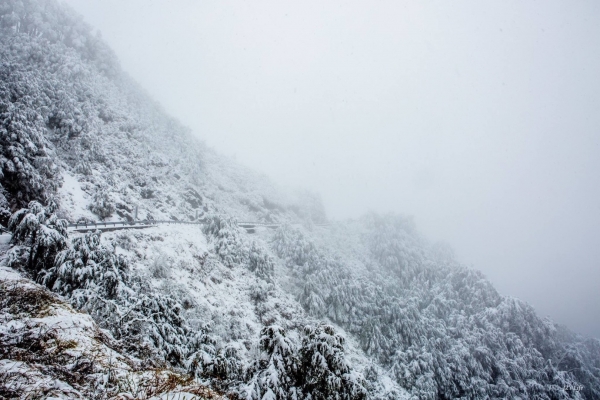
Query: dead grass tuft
(24, 301)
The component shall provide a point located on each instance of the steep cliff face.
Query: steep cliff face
(352, 310)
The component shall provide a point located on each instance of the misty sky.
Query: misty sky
(480, 119)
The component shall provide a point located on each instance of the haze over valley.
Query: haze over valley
(480, 120)
(311, 201)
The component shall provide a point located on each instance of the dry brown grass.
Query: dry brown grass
(160, 382)
(25, 301)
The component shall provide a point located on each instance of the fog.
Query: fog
(480, 119)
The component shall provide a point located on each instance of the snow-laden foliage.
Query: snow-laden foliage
(314, 370)
(26, 166)
(440, 329)
(102, 205)
(35, 98)
(408, 309)
(233, 250)
(227, 241)
(87, 265)
(292, 246)
(42, 233)
(222, 364)
(48, 350)
(260, 262)
(54, 23)
(98, 281)
(325, 372)
(275, 374)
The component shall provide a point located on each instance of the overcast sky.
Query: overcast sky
(480, 119)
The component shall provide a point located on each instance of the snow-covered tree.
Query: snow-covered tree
(310, 299)
(260, 262)
(26, 168)
(89, 265)
(292, 246)
(440, 329)
(40, 233)
(325, 371)
(226, 239)
(102, 205)
(274, 374)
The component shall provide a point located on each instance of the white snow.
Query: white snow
(74, 199)
(176, 396)
(55, 325)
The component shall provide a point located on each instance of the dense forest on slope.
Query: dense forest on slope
(358, 309)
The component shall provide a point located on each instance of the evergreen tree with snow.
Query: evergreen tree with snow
(325, 373)
(260, 262)
(40, 235)
(102, 204)
(274, 375)
(27, 171)
(226, 239)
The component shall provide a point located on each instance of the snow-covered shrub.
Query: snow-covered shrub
(147, 193)
(125, 240)
(4, 207)
(231, 249)
(260, 262)
(228, 365)
(315, 370)
(93, 278)
(179, 292)
(325, 372)
(89, 266)
(275, 373)
(158, 320)
(372, 339)
(292, 246)
(223, 366)
(102, 205)
(159, 268)
(67, 120)
(226, 238)
(378, 388)
(311, 300)
(259, 292)
(39, 234)
(26, 168)
(202, 359)
(84, 168)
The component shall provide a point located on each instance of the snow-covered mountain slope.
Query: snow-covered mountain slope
(49, 350)
(352, 310)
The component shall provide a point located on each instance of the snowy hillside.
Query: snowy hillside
(350, 310)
